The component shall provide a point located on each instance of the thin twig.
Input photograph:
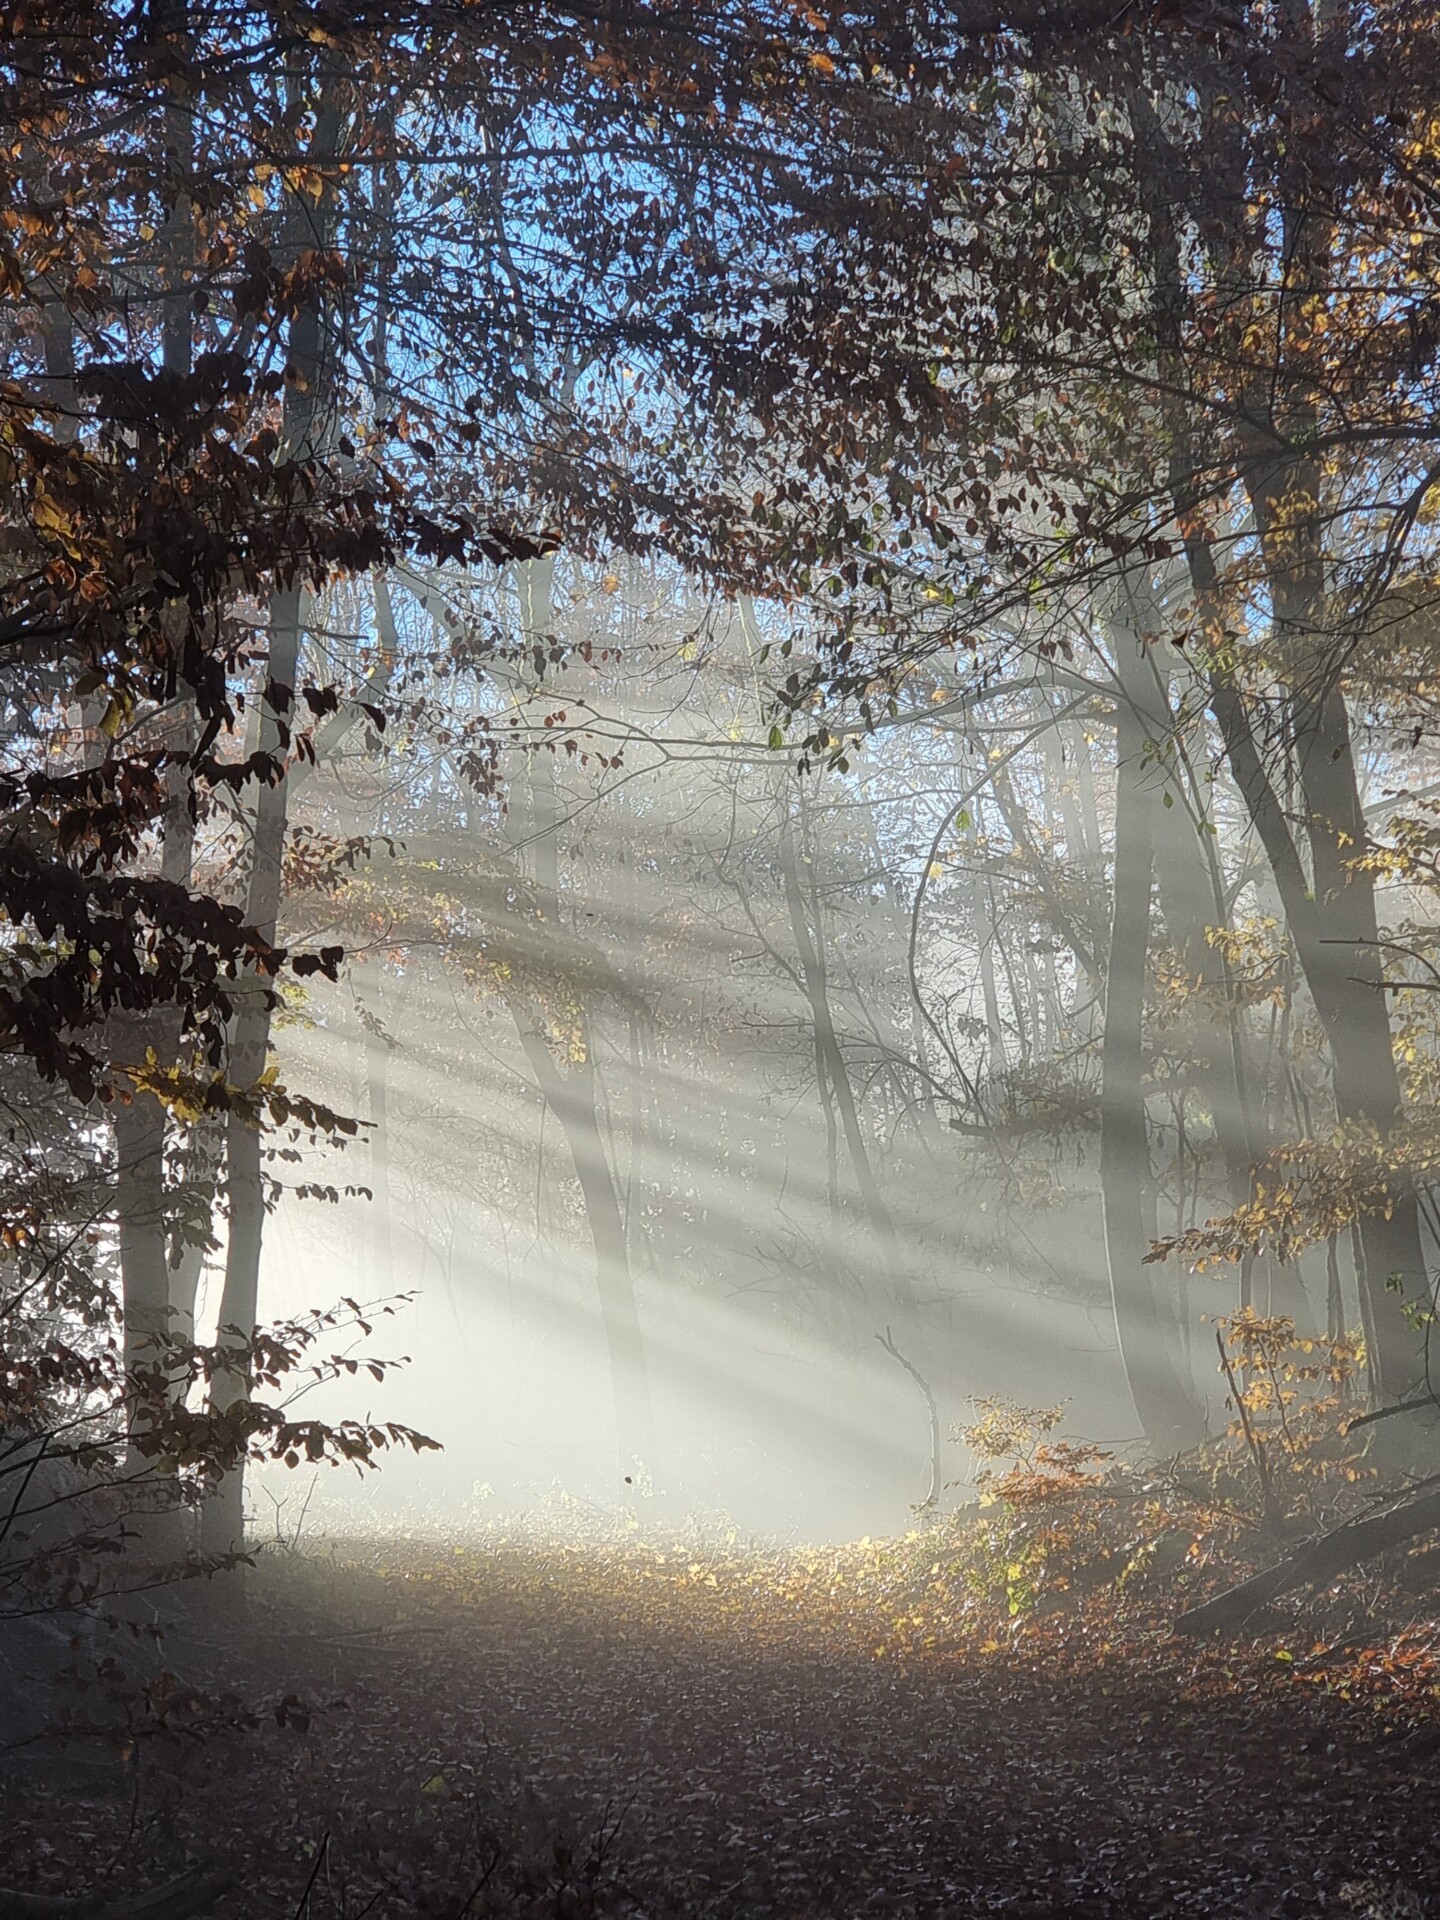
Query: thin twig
(1262, 1465)
(304, 1907)
(480, 1885)
(932, 1497)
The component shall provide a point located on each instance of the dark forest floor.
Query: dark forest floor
(564, 1730)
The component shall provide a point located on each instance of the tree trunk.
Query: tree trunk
(1333, 922)
(983, 929)
(1191, 889)
(827, 1045)
(199, 1178)
(570, 1095)
(1164, 1396)
(1331, 914)
(305, 400)
(1346, 980)
(377, 1090)
(140, 1206)
(250, 1042)
(141, 1127)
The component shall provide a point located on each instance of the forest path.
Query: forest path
(739, 1748)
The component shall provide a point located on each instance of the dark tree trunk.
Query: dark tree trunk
(1164, 1396)
(140, 1205)
(1331, 912)
(306, 399)
(223, 1527)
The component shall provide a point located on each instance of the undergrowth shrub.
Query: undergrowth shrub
(1057, 1521)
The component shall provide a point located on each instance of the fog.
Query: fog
(625, 944)
(719, 960)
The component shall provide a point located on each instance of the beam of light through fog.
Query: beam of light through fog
(759, 1303)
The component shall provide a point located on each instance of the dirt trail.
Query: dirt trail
(567, 1735)
(754, 1757)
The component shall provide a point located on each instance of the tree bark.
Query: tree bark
(140, 1206)
(1334, 926)
(1331, 913)
(1164, 1396)
(305, 398)
(1345, 974)
(223, 1525)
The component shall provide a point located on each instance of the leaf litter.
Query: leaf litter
(592, 1723)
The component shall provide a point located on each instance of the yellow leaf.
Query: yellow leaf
(48, 513)
(437, 1783)
(305, 180)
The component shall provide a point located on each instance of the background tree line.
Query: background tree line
(850, 600)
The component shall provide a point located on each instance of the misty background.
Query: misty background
(690, 1072)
